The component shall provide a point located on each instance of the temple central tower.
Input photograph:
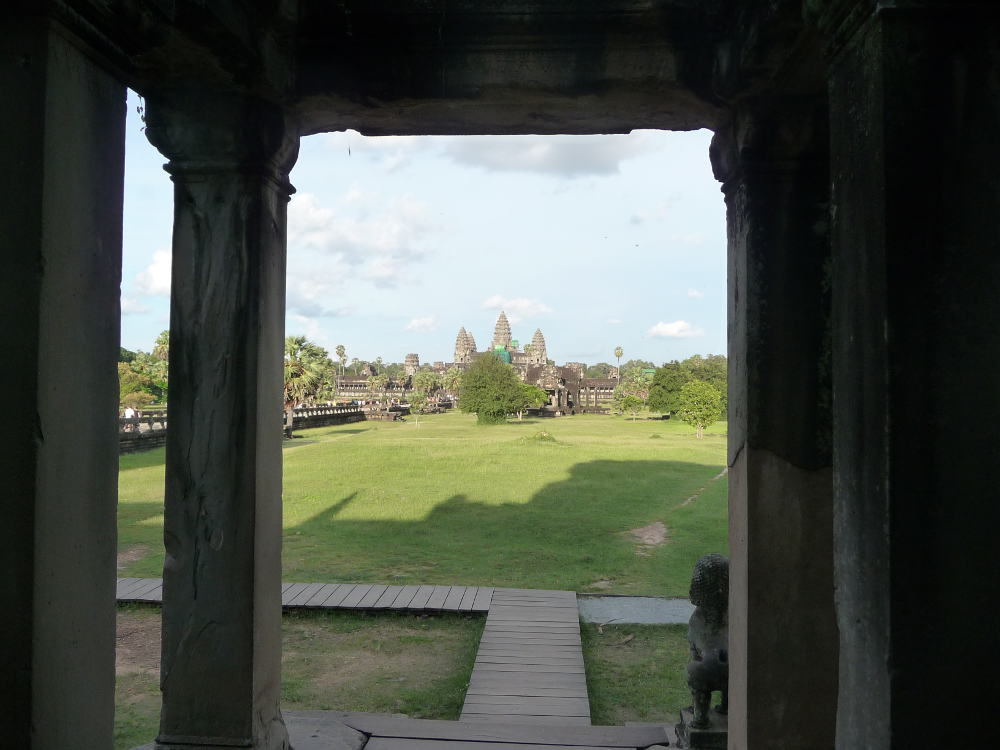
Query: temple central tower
(501, 333)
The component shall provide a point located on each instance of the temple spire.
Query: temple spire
(538, 351)
(465, 346)
(501, 333)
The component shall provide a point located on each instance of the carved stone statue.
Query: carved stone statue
(708, 670)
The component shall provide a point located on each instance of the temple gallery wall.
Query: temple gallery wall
(855, 144)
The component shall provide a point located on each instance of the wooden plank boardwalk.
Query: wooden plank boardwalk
(529, 668)
(314, 730)
(528, 687)
(344, 596)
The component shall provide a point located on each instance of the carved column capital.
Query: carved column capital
(770, 135)
(204, 132)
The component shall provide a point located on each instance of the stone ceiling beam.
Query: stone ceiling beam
(528, 67)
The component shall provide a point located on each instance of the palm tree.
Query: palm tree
(452, 380)
(342, 358)
(303, 374)
(377, 385)
(618, 355)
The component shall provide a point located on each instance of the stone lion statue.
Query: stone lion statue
(708, 636)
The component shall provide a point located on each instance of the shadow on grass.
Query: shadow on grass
(570, 534)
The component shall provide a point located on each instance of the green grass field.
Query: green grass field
(346, 661)
(449, 502)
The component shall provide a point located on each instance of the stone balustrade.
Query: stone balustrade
(149, 430)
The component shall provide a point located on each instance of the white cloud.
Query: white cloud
(561, 155)
(132, 306)
(425, 324)
(695, 294)
(518, 309)
(390, 153)
(316, 284)
(305, 325)
(679, 329)
(387, 271)
(155, 280)
(363, 236)
(613, 321)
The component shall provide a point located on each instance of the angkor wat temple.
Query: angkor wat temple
(569, 391)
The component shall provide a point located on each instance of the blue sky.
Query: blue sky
(394, 243)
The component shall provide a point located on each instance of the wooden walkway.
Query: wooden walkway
(314, 730)
(529, 668)
(344, 596)
(528, 686)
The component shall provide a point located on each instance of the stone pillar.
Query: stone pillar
(229, 160)
(772, 160)
(62, 162)
(915, 155)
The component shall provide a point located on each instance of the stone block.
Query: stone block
(714, 736)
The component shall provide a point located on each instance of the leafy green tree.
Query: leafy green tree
(600, 370)
(637, 364)
(665, 390)
(532, 397)
(137, 399)
(632, 404)
(701, 405)
(131, 383)
(125, 355)
(418, 401)
(154, 371)
(394, 370)
(712, 369)
(341, 356)
(490, 389)
(618, 356)
(632, 382)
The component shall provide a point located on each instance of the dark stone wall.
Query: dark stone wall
(916, 272)
(60, 230)
(783, 642)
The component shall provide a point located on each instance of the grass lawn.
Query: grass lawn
(399, 663)
(453, 503)
(636, 672)
(345, 661)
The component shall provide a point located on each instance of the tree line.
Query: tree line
(311, 373)
(693, 390)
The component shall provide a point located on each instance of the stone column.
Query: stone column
(916, 154)
(62, 162)
(229, 159)
(772, 160)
